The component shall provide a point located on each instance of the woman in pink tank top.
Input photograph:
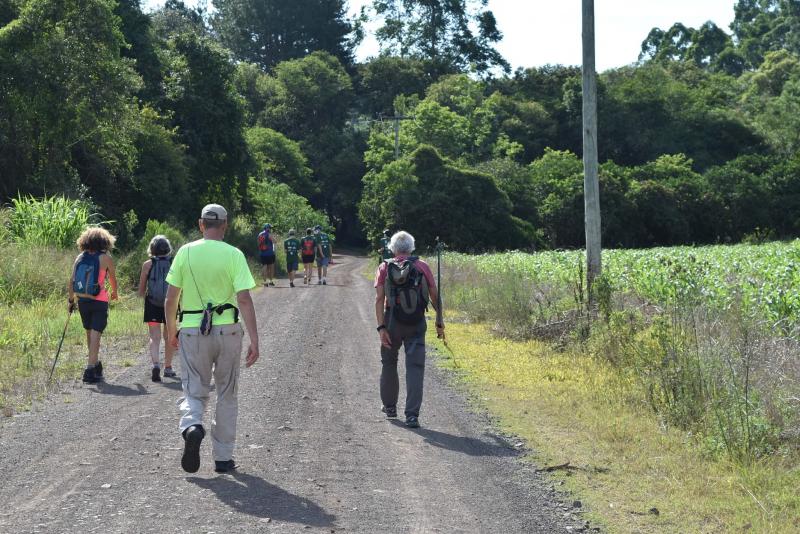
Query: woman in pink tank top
(94, 244)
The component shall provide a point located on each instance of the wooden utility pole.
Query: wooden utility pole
(591, 185)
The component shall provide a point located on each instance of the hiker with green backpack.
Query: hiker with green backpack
(92, 269)
(153, 289)
(404, 287)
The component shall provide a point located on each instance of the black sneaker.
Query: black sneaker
(324, 282)
(98, 370)
(412, 421)
(391, 411)
(192, 436)
(272, 284)
(226, 466)
(169, 372)
(89, 376)
(156, 376)
(291, 284)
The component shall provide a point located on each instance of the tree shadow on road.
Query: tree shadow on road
(466, 445)
(120, 390)
(255, 496)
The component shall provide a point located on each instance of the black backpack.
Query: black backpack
(406, 291)
(157, 281)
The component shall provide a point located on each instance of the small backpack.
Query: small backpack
(308, 246)
(406, 291)
(157, 280)
(85, 280)
(264, 242)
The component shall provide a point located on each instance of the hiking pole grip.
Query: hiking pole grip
(439, 312)
(60, 343)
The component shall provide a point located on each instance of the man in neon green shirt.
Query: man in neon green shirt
(212, 282)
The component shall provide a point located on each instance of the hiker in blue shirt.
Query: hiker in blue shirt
(266, 252)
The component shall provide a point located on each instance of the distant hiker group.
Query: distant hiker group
(195, 299)
(315, 244)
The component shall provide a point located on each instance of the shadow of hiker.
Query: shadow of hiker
(172, 384)
(471, 446)
(121, 391)
(255, 496)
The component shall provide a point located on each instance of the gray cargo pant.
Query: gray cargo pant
(217, 354)
(412, 338)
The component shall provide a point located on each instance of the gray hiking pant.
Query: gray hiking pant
(412, 338)
(217, 354)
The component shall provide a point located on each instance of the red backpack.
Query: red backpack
(308, 246)
(264, 242)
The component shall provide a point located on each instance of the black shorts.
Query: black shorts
(153, 313)
(94, 314)
(308, 258)
(291, 264)
(268, 260)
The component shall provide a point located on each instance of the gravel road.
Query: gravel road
(315, 452)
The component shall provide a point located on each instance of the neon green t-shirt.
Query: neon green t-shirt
(292, 246)
(209, 271)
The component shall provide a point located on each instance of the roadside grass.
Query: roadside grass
(577, 408)
(29, 336)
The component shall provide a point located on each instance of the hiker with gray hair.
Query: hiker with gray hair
(404, 286)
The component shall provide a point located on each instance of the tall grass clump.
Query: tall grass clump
(50, 221)
(709, 335)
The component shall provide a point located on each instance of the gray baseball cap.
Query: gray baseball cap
(214, 212)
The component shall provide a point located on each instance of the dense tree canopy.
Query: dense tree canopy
(441, 31)
(263, 107)
(267, 32)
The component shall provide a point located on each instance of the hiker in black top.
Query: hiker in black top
(153, 289)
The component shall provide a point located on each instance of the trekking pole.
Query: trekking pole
(439, 312)
(63, 335)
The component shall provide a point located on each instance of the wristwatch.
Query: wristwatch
(381, 327)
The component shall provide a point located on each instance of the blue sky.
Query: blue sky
(538, 32)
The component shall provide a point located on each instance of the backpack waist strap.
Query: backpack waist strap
(218, 309)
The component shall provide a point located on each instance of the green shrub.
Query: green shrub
(277, 204)
(50, 221)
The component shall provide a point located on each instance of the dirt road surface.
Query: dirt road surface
(315, 453)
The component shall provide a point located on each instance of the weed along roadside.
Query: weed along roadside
(669, 412)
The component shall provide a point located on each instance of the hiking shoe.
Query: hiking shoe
(225, 466)
(89, 376)
(291, 284)
(98, 370)
(192, 436)
(156, 376)
(390, 411)
(169, 372)
(324, 282)
(412, 421)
